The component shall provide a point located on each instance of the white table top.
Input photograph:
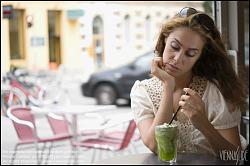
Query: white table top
(72, 109)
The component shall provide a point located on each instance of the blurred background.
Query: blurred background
(82, 36)
(94, 51)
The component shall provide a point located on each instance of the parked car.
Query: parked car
(110, 85)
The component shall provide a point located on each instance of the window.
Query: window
(16, 29)
(98, 50)
(97, 25)
(54, 37)
(148, 29)
(98, 41)
(127, 28)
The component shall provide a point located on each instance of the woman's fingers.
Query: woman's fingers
(158, 61)
(186, 105)
(157, 69)
(185, 97)
(190, 91)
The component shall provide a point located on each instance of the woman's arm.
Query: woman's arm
(226, 139)
(194, 108)
(165, 111)
(163, 115)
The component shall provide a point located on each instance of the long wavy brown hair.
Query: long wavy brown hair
(214, 63)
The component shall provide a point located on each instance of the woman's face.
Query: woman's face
(183, 48)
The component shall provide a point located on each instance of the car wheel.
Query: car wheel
(105, 95)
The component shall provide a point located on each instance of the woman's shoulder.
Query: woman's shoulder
(152, 88)
(213, 95)
(147, 83)
(215, 98)
(221, 113)
(138, 86)
(212, 89)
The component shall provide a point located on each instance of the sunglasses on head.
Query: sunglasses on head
(203, 19)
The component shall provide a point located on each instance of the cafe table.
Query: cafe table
(152, 159)
(73, 110)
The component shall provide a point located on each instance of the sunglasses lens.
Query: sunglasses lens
(198, 18)
(204, 20)
(185, 12)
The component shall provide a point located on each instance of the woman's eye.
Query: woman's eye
(174, 46)
(190, 54)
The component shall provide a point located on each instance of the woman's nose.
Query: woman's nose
(178, 57)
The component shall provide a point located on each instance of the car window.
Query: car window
(144, 61)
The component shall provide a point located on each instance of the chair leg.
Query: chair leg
(134, 147)
(75, 155)
(73, 149)
(93, 156)
(47, 158)
(70, 155)
(100, 154)
(14, 154)
(37, 153)
(42, 152)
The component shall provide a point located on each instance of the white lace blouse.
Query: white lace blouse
(145, 100)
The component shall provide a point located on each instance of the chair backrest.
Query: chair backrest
(58, 124)
(23, 121)
(11, 97)
(129, 134)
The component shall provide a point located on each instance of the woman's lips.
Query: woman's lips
(171, 67)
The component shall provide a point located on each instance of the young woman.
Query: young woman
(191, 59)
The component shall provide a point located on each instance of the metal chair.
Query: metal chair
(107, 142)
(24, 124)
(11, 97)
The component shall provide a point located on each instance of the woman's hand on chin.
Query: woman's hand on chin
(158, 70)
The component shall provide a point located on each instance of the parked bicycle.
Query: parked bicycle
(28, 89)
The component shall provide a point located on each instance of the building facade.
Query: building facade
(87, 36)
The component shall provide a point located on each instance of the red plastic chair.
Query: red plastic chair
(11, 97)
(24, 124)
(119, 135)
(106, 124)
(59, 124)
(110, 143)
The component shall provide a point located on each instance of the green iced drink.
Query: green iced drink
(166, 136)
